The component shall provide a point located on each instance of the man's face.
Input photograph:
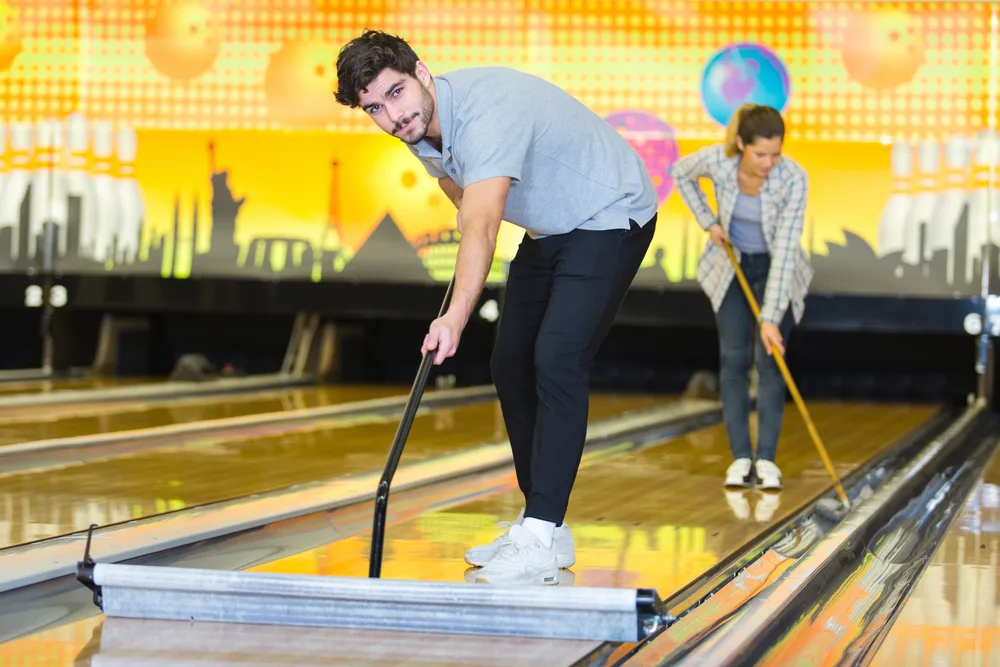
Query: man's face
(400, 104)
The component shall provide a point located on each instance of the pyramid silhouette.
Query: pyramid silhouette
(387, 256)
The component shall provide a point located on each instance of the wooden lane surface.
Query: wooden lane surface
(212, 468)
(62, 384)
(657, 517)
(952, 616)
(63, 421)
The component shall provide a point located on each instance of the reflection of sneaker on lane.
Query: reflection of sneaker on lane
(738, 503)
(566, 577)
(522, 560)
(768, 475)
(739, 473)
(562, 539)
(767, 505)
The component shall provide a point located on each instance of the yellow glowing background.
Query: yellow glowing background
(255, 77)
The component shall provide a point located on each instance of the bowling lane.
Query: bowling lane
(952, 615)
(653, 518)
(219, 466)
(47, 386)
(63, 421)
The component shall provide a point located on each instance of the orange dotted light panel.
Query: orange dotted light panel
(841, 70)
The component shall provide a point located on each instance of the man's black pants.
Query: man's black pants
(562, 295)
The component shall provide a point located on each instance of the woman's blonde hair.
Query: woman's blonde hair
(752, 122)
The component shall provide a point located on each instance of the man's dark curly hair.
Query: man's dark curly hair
(361, 60)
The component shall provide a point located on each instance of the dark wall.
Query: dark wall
(252, 344)
(21, 345)
(849, 365)
(828, 365)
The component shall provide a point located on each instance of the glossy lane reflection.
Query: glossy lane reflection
(652, 518)
(951, 616)
(64, 384)
(211, 468)
(62, 421)
(656, 517)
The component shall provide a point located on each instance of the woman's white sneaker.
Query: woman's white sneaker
(739, 473)
(768, 475)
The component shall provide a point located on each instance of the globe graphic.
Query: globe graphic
(655, 143)
(741, 73)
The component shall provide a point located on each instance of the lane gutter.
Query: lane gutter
(721, 631)
(851, 603)
(755, 558)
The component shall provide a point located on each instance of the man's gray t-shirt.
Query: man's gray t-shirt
(569, 168)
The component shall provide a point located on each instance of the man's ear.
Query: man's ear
(423, 74)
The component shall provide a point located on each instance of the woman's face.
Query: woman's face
(760, 157)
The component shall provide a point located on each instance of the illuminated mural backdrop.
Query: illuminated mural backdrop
(200, 137)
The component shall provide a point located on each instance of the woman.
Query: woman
(762, 200)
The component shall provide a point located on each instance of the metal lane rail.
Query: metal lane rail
(755, 558)
(782, 581)
(853, 606)
(703, 589)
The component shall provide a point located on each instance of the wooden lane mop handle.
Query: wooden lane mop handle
(788, 379)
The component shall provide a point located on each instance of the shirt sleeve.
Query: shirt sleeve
(686, 173)
(787, 237)
(494, 143)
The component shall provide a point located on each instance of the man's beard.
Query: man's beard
(421, 120)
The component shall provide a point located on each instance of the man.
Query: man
(505, 145)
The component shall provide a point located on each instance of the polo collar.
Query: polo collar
(443, 92)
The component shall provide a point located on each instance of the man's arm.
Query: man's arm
(482, 207)
(451, 190)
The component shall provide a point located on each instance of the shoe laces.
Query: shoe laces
(768, 468)
(511, 548)
(739, 465)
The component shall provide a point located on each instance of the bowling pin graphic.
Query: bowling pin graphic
(15, 184)
(985, 151)
(892, 225)
(79, 181)
(946, 214)
(49, 197)
(130, 204)
(918, 217)
(106, 188)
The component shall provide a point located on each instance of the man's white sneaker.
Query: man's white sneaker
(768, 475)
(562, 540)
(523, 560)
(481, 555)
(739, 472)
